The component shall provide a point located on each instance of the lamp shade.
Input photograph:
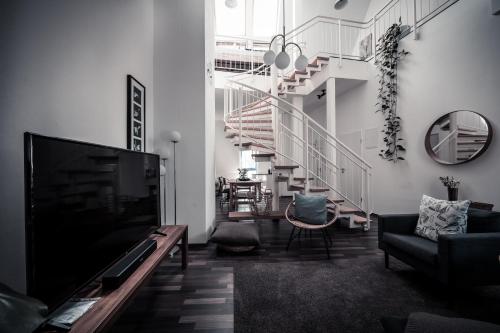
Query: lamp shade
(231, 3)
(339, 4)
(269, 57)
(163, 170)
(163, 151)
(175, 136)
(282, 60)
(301, 63)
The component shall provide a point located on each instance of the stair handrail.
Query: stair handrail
(309, 119)
(261, 96)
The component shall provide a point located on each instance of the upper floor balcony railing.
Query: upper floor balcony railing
(332, 37)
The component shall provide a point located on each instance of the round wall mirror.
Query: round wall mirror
(458, 137)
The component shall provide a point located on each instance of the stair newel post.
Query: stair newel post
(240, 111)
(306, 152)
(340, 43)
(374, 38)
(415, 33)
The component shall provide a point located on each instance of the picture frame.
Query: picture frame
(136, 114)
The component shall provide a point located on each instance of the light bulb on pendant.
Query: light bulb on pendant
(269, 57)
(231, 3)
(339, 4)
(301, 63)
(282, 60)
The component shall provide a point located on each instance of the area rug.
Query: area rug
(344, 295)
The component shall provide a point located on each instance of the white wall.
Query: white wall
(209, 116)
(180, 96)
(64, 66)
(453, 66)
(307, 9)
(226, 154)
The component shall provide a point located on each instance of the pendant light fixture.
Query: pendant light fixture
(282, 60)
(231, 3)
(339, 4)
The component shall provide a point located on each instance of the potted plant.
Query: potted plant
(388, 58)
(243, 174)
(452, 185)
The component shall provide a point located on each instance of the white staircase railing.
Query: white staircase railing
(335, 37)
(269, 123)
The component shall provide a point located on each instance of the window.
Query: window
(230, 21)
(248, 162)
(265, 18)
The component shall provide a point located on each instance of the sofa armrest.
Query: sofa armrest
(396, 223)
(472, 257)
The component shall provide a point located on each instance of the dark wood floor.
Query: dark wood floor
(200, 299)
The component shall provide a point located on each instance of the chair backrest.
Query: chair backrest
(479, 220)
(332, 211)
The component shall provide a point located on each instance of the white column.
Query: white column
(298, 129)
(331, 124)
(275, 119)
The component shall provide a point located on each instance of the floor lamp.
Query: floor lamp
(175, 137)
(164, 153)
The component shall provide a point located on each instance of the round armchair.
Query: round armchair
(332, 214)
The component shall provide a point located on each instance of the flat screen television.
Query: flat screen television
(87, 205)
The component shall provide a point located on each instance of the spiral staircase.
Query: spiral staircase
(300, 154)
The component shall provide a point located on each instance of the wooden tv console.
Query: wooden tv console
(101, 316)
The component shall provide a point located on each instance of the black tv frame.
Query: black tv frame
(28, 169)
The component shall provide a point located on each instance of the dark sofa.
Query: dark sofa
(455, 260)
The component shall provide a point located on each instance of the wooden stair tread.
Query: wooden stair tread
(359, 219)
(318, 189)
(251, 121)
(284, 167)
(348, 210)
(249, 144)
(274, 215)
(250, 128)
(264, 155)
(302, 178)
(295, 187)
(470, 135)
(475, 142)
(251, 114)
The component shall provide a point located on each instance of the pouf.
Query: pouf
(236, 236)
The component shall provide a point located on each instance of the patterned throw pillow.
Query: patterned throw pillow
(438, 217)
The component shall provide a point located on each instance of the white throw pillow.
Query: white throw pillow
(438, 217)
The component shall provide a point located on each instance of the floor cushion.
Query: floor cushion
(421, 248)
(236, 236)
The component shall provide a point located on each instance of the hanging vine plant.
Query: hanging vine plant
(388, 57)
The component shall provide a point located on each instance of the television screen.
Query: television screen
(86, 206)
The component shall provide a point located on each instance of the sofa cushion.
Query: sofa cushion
(418, 247)
(439, 217)
(483, 221)
(236, 234)
(310, 209)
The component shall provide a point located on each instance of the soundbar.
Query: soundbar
(120, 271)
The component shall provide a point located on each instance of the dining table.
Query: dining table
(236, 184)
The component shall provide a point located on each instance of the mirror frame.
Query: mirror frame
(433, 155)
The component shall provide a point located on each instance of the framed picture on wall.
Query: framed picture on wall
(136, 114)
